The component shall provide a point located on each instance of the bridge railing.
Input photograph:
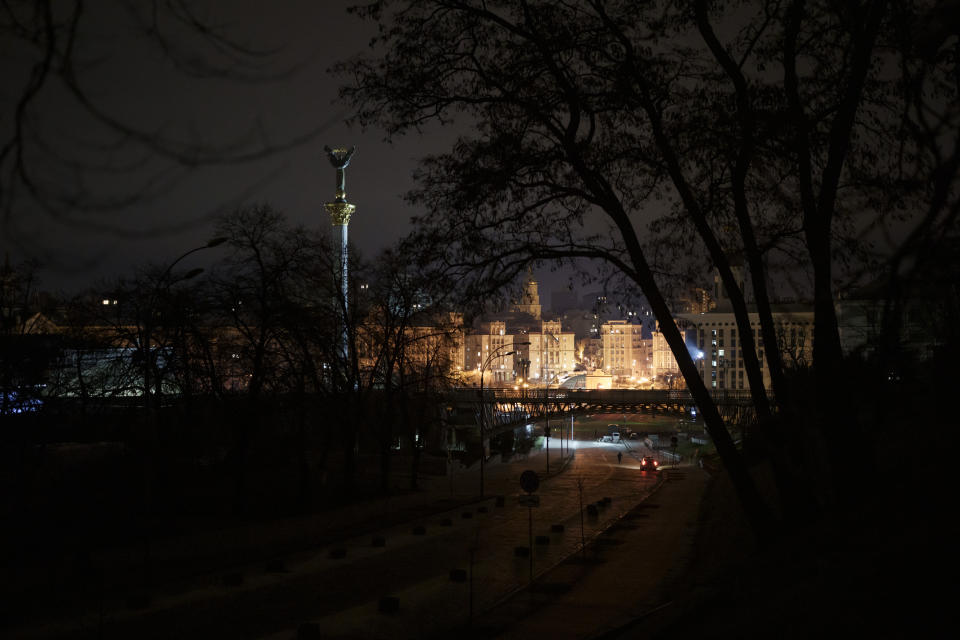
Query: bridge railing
(596, 396)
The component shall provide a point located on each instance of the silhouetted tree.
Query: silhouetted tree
(261, 289)
(77, 147)
(24, 355)
(744, 129)
(407, 341)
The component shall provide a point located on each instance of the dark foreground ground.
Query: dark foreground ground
(881, 569)
(885, 568)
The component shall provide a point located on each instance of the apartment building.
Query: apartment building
(664, 364)
(624, 352)
(720, 357)
(493, 353)
(552, 352)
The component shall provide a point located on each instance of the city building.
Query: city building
(529, 302)
(493, 354)
(625, 355)
(437, 346)
(590, 353)
(696, 300)
(719, 356)
(664, 367)
(552, 352)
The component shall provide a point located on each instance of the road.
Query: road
(338, 591)
(430, 602)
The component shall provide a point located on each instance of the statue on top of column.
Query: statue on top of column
(340, 159)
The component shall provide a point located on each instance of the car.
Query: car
(649, 464)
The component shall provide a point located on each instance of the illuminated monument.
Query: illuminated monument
(340, 211)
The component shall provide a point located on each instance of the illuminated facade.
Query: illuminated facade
(490, 351)
(664, 364)
(552, 352)
(624, 351)
(720, 357)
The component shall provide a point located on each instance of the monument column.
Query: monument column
(340, 211)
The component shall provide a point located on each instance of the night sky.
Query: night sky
(136, 84)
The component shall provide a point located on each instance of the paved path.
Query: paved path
(337, 590)
(434, 603)
(625, 575)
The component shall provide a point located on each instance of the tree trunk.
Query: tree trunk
(757, 512)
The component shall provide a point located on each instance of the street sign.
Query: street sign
(529, 481)
(529, 501)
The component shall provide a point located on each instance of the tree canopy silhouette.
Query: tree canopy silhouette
(88, 128)
(782, 134)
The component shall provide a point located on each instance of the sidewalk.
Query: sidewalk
(237, 555)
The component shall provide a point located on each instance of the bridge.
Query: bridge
(598, 399)
(504, 409)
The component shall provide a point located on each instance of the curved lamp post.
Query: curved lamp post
(213, 242)
(150, 466)
(163, 283)
(483, 414)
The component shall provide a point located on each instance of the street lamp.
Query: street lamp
(162, 285)
(213, 242)
(151, 405)
(483, 413)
